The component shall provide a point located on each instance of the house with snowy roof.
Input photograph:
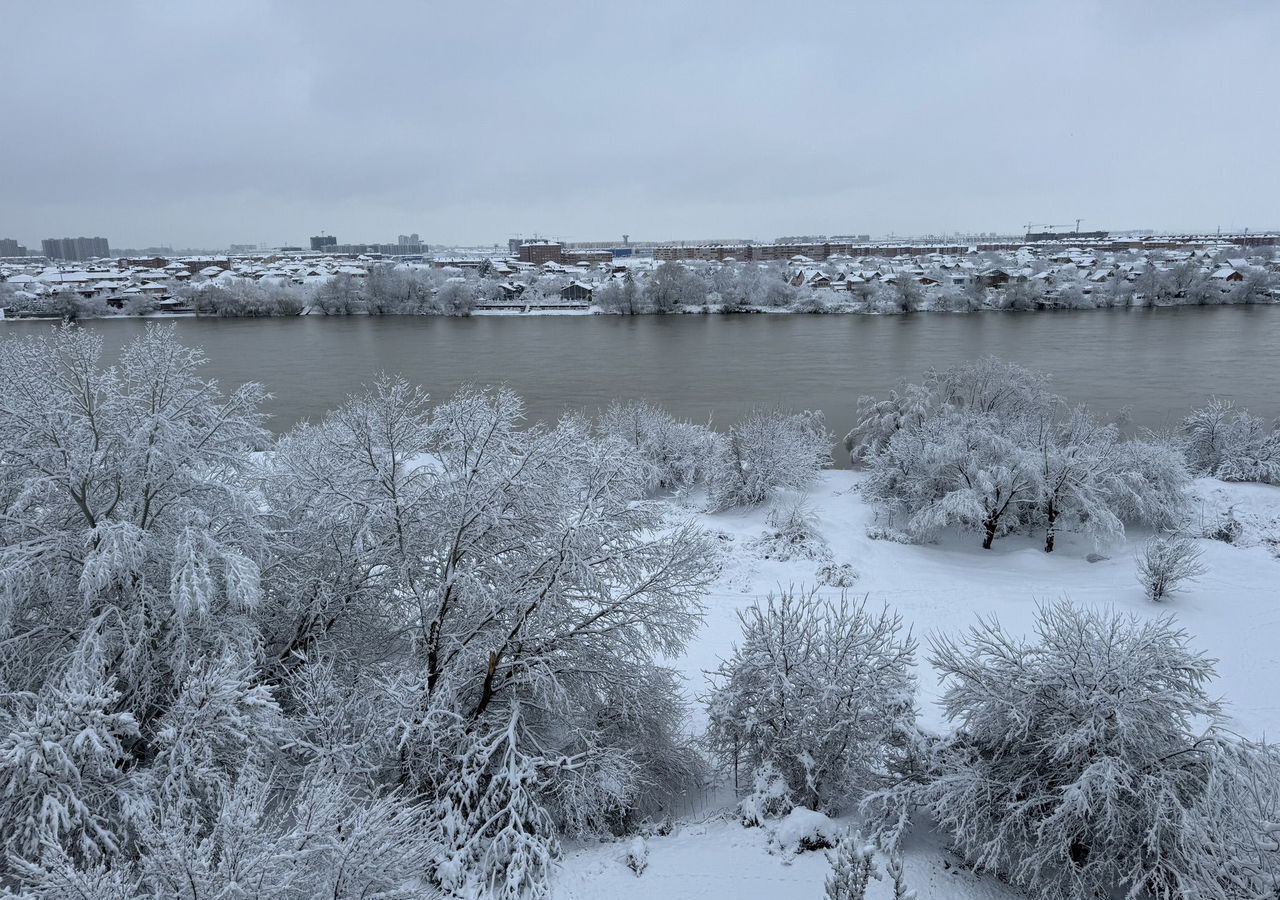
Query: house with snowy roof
(577, 292)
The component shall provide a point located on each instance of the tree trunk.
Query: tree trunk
(990, 537)
(1050, 532)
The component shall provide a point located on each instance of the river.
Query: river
(1158, 362)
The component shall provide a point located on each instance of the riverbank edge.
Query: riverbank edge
(684, 311)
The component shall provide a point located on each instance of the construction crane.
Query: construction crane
(1052, 227)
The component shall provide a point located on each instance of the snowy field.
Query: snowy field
(1232, 612)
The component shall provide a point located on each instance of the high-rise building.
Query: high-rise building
(10, 247)
(75, 249)
(319, 242)
(409, 239)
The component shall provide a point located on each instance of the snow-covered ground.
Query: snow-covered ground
(1232, 612)
(720, 860)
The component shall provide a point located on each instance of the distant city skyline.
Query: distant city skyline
(264, 122)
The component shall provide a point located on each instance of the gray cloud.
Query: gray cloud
(200, 124)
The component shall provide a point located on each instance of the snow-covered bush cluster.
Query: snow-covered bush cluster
(792, 533)
(817, 703)
(987, 447)
(1230, 444)
(767, 453)
(404, 650)
(671, 453)
(1090, 761)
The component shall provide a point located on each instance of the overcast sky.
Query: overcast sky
(201, 124)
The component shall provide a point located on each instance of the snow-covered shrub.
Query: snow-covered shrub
(769, 798)
(1166, 561)
(804, 831)
(1230, 444)
(319, 839)
(1226, 528)
(672, 454)
(809, 302)
(852, 868)
(1087, 761)
(792, 534)
(883, 531)
(767, 452)
(636, 857)
(840, 575)
(820, 691)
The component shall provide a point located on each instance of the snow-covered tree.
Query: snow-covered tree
(1228, 443)
(852, 868)
(987, 447)
(1148, 484)
(1089, 760)
(672, 286)
(61, 752)
(879, 420)
(338, 296)
(1077, 456)
(767, 452)
(498, 566)
(266, 839)
(673, 454)
(126, 525)
(222, 667)
(1165, 562)
(819, 691)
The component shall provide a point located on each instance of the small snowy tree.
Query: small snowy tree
(1166, 561)
(767, 452)
(792, 534)
(959, 450)
(1088, 760)
(898, 874)
(852, 869)
(819, 691)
